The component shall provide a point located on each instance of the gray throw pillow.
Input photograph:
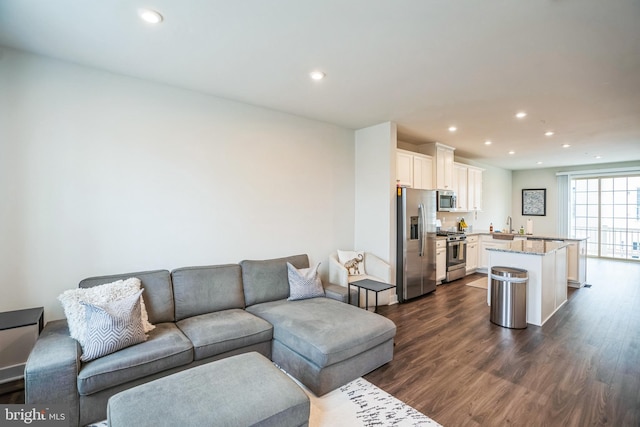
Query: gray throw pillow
(304, 283)
(112, 326)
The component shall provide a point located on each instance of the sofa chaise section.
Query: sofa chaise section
(322, 342)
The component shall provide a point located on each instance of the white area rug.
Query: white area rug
(479, 283)
(358, 404)
(361, 403)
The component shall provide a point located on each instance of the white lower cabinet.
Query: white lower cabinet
(577, 263)
(441, 260)
(472, 254)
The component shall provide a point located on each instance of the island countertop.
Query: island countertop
(532, 247)
(527, 236)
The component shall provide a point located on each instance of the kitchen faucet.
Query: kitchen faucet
(509, 230)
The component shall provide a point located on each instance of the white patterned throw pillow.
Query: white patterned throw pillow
(353, 261)
(304, 283)
(112, 326)
(74, 311)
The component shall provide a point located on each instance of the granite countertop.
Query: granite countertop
(529, 236)
(532, 247)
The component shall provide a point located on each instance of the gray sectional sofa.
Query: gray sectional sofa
(202, 314)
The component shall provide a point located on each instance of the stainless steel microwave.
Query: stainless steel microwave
(446, 201)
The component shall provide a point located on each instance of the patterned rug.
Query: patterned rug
(357, 404)
(361, 403)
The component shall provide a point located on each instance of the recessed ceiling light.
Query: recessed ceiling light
(538, 163)
(566, 145)
(452, 128)
(317, 75)
(149, 15)
(487, 142)
(598, 157)
(549, 133)
(521, 114)
(512, 152)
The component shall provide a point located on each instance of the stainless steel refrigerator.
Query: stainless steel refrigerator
(416, 243)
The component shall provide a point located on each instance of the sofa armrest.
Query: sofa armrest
(339, 293)
(51, 372)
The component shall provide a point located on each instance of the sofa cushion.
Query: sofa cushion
(112, 326)
(158, 293)
(223, 331)
(267, 280)
(323, 330)
(166, 347)
(200, 290)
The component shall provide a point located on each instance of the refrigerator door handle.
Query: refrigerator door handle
(420, 230)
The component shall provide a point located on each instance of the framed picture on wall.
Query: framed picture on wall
(534, 201)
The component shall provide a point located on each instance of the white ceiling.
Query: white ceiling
(572, 65)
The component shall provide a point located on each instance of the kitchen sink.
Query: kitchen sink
(503, 236)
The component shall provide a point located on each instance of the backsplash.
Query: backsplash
(450, 220)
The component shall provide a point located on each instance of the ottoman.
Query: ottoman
(243, 390)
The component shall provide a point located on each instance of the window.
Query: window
(607, 210)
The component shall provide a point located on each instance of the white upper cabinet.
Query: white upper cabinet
(474, 188)
(404, 168)
(460, 179)
(443, 164)
(422, 172)
(436, 170)
(444, 167)
(467, 183)
(414, 170)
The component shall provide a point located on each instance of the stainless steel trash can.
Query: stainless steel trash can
(509, 297)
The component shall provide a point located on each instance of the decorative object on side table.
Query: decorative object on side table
(534, 201)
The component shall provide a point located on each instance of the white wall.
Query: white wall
(375, 219)
(546, 178)
(375, 184)
(105, 174)
(530, 179)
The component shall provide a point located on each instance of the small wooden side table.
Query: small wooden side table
(19, 331)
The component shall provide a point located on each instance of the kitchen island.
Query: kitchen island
(576, 252)
(546, 264)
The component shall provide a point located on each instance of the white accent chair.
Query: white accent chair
(376, 269)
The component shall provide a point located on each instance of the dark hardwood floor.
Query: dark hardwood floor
(12, 392)
(582, 368)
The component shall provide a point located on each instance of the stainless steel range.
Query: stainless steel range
(456, 255)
